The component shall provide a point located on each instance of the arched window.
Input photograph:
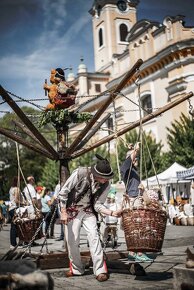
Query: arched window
(123, 29)
(146, 104)
(100, 35)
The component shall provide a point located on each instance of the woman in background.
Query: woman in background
(16, 200)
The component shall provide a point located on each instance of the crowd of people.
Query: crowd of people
(86, 198)
(181, 213)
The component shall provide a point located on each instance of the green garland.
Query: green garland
(63, 116)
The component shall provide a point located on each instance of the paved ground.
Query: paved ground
(159, 274)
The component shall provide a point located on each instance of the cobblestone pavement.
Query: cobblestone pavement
(159, 274)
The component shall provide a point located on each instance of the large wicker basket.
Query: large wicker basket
(144, 229)
(26, 229)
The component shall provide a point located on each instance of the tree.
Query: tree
(89, 158)
(181, 141)
(50, 174)
(31, 163)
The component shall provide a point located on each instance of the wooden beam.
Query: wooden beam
(27, 122)
(29, 145)
(61, 260)
(134, 124)
(25, 130)
(93, 131)
(29, 133)
(112, 96)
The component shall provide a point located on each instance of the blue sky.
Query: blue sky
(38, 35)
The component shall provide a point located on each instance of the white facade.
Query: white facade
(167, 51)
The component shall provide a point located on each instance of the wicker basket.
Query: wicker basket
(26, 229)
(144, 229)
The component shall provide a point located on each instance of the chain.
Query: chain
(38, 230)
(33, 238)
(21, 99)
(51, 221)
(191, 111)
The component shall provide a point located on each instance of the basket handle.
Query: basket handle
(128, 203)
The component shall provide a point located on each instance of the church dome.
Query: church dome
(82, 68)
(70, 76)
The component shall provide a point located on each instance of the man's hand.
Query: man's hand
(117, 213)
(64, 216)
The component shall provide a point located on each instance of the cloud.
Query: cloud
(50, 48)
(54, 14)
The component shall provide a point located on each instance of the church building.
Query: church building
(167, 72)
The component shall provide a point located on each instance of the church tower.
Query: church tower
(112, 20)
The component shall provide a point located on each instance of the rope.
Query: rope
(116, 142)
(137, 82)
(20, 169)
(18, 178)
(151, 159)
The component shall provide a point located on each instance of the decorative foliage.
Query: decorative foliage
(60, 117)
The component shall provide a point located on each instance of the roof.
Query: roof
(140, 27)
(99, 4)
(167, 176)
(186, 174)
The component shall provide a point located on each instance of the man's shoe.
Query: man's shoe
(143, 258)
(132, 257)
(102, 277)
(69, 274)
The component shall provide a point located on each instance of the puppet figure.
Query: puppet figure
(52, 90)
(61, 94)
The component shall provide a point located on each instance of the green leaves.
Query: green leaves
(62, 117)
(181, 141)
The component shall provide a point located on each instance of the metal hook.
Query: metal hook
(138, 78)
(191, 110)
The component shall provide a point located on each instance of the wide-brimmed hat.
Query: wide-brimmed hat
(102, 168)
(60, 74)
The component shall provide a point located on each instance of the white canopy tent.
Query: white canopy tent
(171, 186)
(167, 176)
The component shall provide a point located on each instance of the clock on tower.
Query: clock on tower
(122, 5)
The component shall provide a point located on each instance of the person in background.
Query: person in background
(188, 209)
(192, 193)
(33, 199)
(46, 204)
(131, 179)
(40, 190)
(16, 200)
(55, 197)
(81, 197)
(4, 211)
(173, 211)
(108, 221)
